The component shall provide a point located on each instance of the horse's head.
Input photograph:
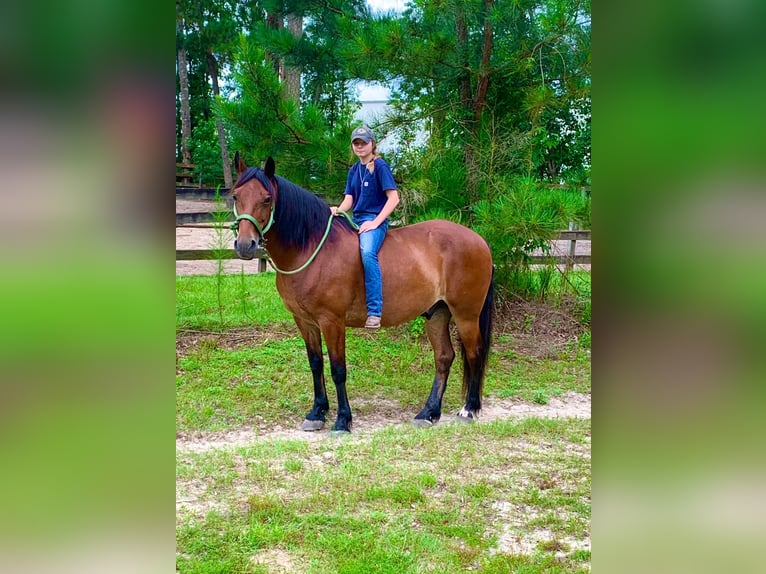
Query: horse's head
(254, 199)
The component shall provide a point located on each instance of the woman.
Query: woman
(372, 194)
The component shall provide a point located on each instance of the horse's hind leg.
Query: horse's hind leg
(316, 417)
(475, 338)
(470, 345)
(437, 330)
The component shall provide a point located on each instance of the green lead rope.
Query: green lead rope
(321, 243)
(348, 217)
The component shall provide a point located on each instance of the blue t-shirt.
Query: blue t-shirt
(369, 189)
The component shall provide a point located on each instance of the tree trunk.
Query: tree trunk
(274, 21)
(183, 78)
(212, 65)
(464, 79)
(473, 105)
(486, 53)
(468, 109)
(293, 74)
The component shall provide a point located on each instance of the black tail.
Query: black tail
(485, 330)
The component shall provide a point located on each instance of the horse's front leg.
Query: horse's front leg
(316, 417)
(334, 332)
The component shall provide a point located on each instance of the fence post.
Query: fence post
(572, 247)
(573, 242)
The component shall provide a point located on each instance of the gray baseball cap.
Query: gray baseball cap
(362, 133)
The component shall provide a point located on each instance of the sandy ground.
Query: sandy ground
(201, 238)
(568, 405)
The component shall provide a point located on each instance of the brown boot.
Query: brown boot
(373, 322)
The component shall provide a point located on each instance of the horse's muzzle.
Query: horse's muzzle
(246, 249)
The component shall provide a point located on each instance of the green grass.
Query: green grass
(223, 301)
(512, 375)
(402, 500)
(218, 387)
(398, 500)
(219, 302)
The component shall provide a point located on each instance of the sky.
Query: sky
(386, 5)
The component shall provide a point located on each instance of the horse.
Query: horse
(437, 269)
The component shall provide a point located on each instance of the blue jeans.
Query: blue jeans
(369, 245)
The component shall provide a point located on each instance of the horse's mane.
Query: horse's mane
(300, 217)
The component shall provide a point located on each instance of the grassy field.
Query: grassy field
(510, 495)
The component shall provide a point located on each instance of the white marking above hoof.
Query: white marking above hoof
(465, 416)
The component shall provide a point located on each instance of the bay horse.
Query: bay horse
(437, 269)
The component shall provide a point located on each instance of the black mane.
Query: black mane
(300, 217)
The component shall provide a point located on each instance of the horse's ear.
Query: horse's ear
(239, 165)
(270, 167)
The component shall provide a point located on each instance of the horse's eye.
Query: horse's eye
(234, 197)
(267, 200)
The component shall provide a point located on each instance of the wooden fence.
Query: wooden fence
(208, 219)
(185, 175)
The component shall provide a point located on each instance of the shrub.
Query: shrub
(523, 218)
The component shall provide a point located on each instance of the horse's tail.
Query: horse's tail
(485, 332)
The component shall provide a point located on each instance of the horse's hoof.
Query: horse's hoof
(339, 434)
(312, 425)
(422, 423)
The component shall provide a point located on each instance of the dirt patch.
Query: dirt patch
(386, 414)
(538, 328)
(276, 561)
(515, 536)
(189, 339)
(370, 415)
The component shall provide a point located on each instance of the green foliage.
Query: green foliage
(526, 217)
(309, 150)
(433, 183)
(417, 327)
(206, 153)
(209, 30)
(481, 127)
(536, 72)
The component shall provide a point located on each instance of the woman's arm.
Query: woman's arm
(388, 209)
(345, 205)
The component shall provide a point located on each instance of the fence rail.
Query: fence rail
(263, 256)
(185, 175)
(216, 219)
(199, 192)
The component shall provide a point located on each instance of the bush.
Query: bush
(206, 153)
(525, 217)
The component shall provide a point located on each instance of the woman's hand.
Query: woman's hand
(367, 226)
(334, 211)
